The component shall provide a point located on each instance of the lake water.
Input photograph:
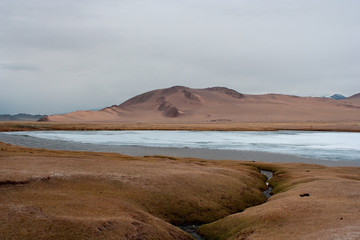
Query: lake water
(336, 146)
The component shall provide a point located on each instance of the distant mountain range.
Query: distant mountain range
(337, 96)
(20, 117)
(180, 104)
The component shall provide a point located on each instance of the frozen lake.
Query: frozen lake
(336, 146)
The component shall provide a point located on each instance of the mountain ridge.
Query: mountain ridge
(184, 104)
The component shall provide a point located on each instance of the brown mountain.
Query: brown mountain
(354, 99)
(219, 104)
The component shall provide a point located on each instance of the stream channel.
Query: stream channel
(191, 229)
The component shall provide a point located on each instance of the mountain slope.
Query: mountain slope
(217, 104)
(354, 99)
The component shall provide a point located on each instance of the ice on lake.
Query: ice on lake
(335, 146)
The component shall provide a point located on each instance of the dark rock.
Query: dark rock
(164, 106)
(172, 112)
(191, 96)
(169, 110)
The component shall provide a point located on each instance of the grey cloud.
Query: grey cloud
(96, 53)
(19, 67)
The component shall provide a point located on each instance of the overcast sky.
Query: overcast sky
(60, 56)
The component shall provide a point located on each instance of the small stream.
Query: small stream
(191, 229)
(268, 175)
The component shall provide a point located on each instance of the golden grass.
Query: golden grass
(331, 211)
(27, 222)
(207, 126)
(59, 194)
(48, 194)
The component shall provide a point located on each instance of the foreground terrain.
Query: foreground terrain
(310, 202)
(83, 195)
(63, 195)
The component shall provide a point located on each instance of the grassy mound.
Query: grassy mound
(311, 202)
(83, 195)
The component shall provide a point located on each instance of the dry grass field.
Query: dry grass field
(77, 195)
(310, 202)
(83, 195)
(219, 126)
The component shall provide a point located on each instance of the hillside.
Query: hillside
(218, 104)
(354, 99)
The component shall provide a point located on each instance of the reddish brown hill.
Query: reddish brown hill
(354, 99)
(218, 104)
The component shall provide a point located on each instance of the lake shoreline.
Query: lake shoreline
(210, 154)
(352, 126)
